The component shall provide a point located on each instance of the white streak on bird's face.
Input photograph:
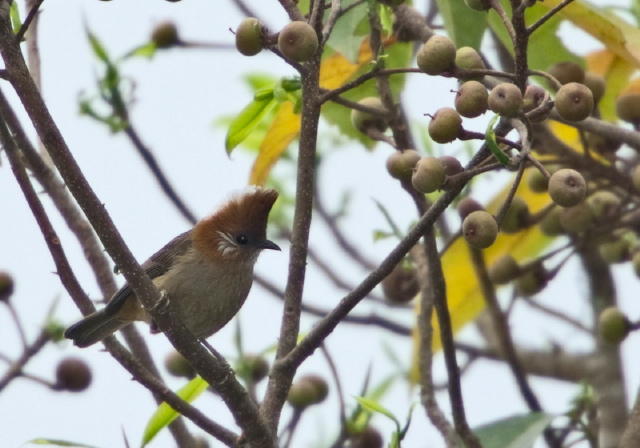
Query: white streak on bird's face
(227, 244)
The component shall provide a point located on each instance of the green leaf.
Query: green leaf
(97, 48)
(386, 18)
(248, 120)
(492, 144)
(258, 81)
(464, 26)
(165, 414)
(147, 50)
(14, 14)
(520, 431)
(349, 31)
(56, 442)
(374, 406)
(387, 216)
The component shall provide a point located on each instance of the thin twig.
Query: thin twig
(338, 383)
(547, 16)
(15, 369)
(371, 319)
(507, 346)
(33, 12)
(425, 329)
(158, 174)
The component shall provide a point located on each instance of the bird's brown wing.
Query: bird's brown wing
(157, 265)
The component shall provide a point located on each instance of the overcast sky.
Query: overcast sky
(179, 96)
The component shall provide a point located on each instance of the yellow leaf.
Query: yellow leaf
(616, 34)
(463, 292)
(337, 69)
(284, 128)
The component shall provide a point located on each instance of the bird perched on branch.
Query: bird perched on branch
(206, 272)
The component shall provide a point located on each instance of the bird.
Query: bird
(206, 272)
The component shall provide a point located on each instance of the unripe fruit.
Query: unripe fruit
(567, 187)
(471, 99)
(298, 41)
(445, 125)
(616, 251)
(480, 229)
(72, 374)
(369, 438)
(635, 177)
(576, 219)
(201, 442)
(165, 35)
(249, 37)
(428, 175)
(6, 286)
(533, 96)
(319, 384)
(468, 205)
(478, 5)
(178, 366)
(452, 166)
(613, 325)
(604, 205)
(253, 367)
(566, 72)
(301, 395)
(597, 84)
(308, 390)
(400, 164)
(517, 216)
(550, 224)
(401, 285)
(538, 182)
(505, 269)
(533, 281)
(628, 107)
(505, 99)
(364, 121)
(436, 55)
(574, 102)
(467, 58)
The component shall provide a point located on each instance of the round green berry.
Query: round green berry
(574, 102)
(505, 99)
(505, 269)
(298, 41)
(445, 125)
(428, 175)
(480, 229)
(613, 325)
(249, 37)
(471, 99)
(567, 187)
(400, 164)
(436, 55)
(364, 121)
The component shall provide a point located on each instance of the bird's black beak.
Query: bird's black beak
(266, 244)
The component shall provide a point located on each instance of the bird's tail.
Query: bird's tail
(94, 328)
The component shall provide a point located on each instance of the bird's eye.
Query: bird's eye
(242, 239)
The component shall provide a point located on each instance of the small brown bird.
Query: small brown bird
(207, 272)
